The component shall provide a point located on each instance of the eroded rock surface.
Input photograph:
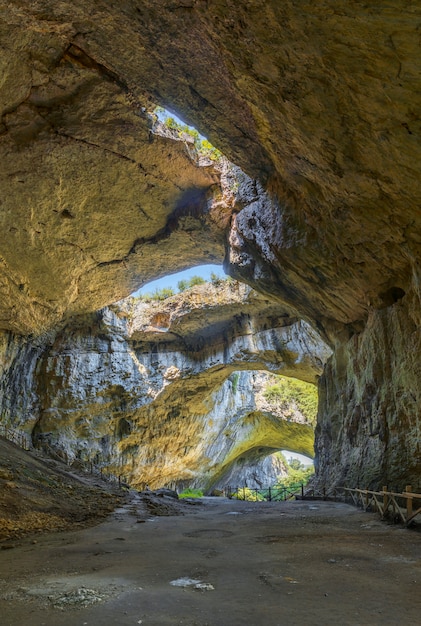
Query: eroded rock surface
(368, 428)
(323, 107)
(156, 392)
(255, 471)
(317, 101)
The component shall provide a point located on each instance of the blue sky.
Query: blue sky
(171, 280)
(305, 460)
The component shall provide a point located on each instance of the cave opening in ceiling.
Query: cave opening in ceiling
(169, 124)
(204, 204)
(172, 283)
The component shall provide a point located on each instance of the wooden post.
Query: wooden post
(384, 500)
(270, 495)
(408, 489)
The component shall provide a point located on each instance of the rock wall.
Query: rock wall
(325, 105)
(317, 101)
(256, 470)
(155, 391)
(370, 397)
(19, 368)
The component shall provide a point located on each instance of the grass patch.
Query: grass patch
(191, 493)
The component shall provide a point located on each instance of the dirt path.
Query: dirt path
(263, 564)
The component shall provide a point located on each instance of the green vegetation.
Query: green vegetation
(157, 296)
(202, 145)
(287, 391)
(191, 493)
(251, 495)
(192, 282)
(298, 474)
(285, 487)
(216, 280)
(234, 379)
(182, 285)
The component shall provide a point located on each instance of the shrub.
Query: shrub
(171, 123)
(182, 285)
(251, 495)
(288, 391)
(234, 379)
(196, 280)
(216, 280)
(162, 294)
(296, 475)
(191, 282)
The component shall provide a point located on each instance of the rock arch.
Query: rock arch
(151, 403)
(322, 119)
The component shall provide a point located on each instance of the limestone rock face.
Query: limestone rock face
(176, 410)
(255, 471)
(318, 101)
(368, 431)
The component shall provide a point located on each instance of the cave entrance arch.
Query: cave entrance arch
(176, 384)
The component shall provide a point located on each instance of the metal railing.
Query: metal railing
(265, 494)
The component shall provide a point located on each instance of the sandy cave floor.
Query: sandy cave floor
(259, 564)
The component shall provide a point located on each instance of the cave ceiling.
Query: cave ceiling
(319, 102)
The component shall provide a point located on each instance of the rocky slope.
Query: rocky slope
(164, 393)
(316, 102)
(39, 495)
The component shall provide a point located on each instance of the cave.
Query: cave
(97, 201)
(313, 211)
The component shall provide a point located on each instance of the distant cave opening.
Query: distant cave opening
(282, 416)
(266, 468)
(176, 282)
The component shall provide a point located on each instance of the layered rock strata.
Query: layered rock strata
(140, 391)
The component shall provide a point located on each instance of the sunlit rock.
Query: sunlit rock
(317, 103)
(165, 405)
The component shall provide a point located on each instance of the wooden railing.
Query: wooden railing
(401, 507)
